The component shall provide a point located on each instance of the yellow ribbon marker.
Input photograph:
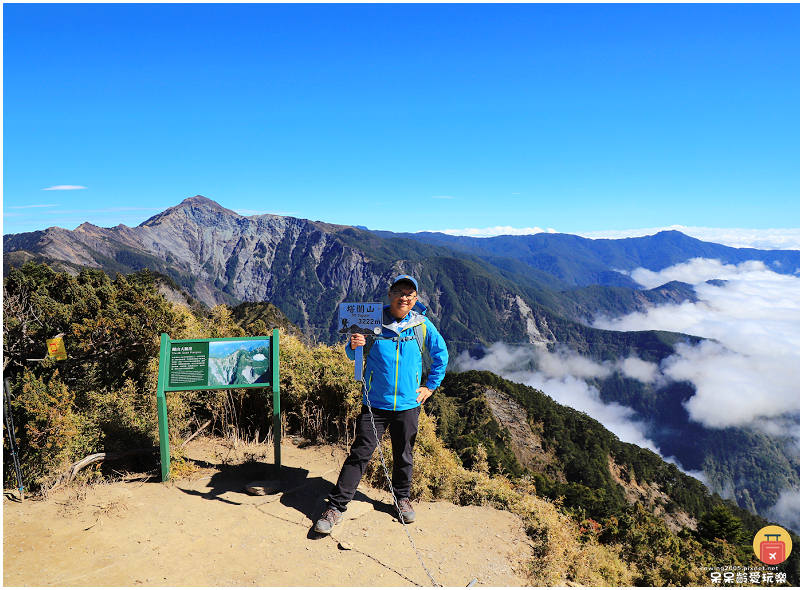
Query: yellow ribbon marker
(55, 346)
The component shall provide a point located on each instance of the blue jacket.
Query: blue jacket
(394, 364)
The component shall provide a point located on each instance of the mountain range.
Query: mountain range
(539, 291)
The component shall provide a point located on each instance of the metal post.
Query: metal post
(359, 368)
(276, 397)
(161, 402)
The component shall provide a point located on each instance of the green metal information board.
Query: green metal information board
(217, 363)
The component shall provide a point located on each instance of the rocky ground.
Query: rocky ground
(205, 529)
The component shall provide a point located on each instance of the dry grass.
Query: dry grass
(112, 508)
(182, 469)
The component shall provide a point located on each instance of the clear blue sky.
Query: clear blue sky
(575, 117)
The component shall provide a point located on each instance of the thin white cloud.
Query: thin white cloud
(107, 210)
(643, 371)
(39, 219)
(33, 206)
(443, 197)
(63, 187)
(787, 509)
(762, 239)
(499, 230)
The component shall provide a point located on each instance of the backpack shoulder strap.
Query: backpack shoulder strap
(420, 333)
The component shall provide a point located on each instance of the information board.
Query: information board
(217, 363)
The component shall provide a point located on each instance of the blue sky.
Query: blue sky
(579, 118)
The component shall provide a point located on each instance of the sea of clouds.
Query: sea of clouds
(747, 372)
(750, 371)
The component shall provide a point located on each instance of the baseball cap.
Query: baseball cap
(405, 278)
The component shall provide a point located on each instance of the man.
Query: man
(393, 390)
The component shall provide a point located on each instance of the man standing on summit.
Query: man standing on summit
(392, 396)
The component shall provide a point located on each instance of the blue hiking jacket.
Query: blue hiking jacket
(394, 364)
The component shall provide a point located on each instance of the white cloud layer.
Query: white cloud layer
(63, 187)
(751, 370)
(490, 232)
(761, 239)
(700, 270)
(746, 372)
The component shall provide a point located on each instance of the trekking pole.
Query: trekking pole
(12, 437)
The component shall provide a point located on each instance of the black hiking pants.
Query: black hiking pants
(403, 426)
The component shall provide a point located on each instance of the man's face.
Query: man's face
(401, 299)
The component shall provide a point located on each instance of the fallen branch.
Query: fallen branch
(70, 473)
(196, 432)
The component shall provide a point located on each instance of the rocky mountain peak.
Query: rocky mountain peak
(201, 201)
(197, 206)
(86, 226)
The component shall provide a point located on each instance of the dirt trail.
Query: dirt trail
(206, 530)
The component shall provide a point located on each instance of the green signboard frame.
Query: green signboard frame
(189, 365)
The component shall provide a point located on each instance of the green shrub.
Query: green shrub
(53, 435)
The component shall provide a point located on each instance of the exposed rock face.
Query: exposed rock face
(526, 446)
(215, 245)
(535, 326)
(651, 497)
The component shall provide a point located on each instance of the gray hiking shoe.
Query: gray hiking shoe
(330, 518)
(406, 510)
